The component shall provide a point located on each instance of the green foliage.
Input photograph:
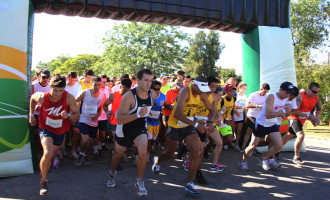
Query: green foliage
(204, 52)
(134, 46)
(54, 63)
(225, 74)
(79, 64)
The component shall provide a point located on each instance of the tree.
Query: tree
(204, 52)
(79, 64)
(134, 46)
(54, 63)
(225, 74)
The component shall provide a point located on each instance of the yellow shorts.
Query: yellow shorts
(153, 130)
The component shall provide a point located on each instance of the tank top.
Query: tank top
(188, 110)
(201, 111)
(103, 115)
(115, 105)
(84, 87)
(50, 115)
(229, 107)
(306, 106)
(240, 101)
(89, 107)
(279, 105)
(37, 87)
(140, 123)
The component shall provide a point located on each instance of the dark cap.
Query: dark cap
(45, 73)
(288, 87)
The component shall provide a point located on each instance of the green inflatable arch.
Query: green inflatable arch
(266, 45)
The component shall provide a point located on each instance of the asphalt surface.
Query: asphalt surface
(311, 181)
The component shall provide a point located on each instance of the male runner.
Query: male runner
(91, 107)
(131, 128)
(58, 107)
(181, 125)
(86, 83)
(164, 80)
(267, 123)
(306, 101)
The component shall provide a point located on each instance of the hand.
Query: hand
(37, 108)
(210, 127)
(237, 113)
(143, 111)
(201, 121)
(64, 114)
(287, 110)
(283, 116)
(201, 128)
(93, 117)
(32, 121)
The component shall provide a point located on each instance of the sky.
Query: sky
(56, 35)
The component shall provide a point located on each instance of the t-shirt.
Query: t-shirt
(170, 99)
(84, 87)
(103, 115)
(115, 88)
(165, 88)
(255, 99)
(153, 117)
(74, 90)
(240, 101)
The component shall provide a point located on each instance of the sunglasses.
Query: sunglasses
(45, 77)
(104, 82)
(157, 89)
(314, 91)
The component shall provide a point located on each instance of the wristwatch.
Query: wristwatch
(69, 115)
(209, 120)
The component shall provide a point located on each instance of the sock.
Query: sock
(271, 160)
(138, 179)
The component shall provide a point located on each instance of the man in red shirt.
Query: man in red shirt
(58, 107)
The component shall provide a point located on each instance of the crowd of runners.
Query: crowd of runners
(176, 113)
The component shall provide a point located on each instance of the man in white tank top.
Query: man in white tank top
(91, 107)
(267, 123)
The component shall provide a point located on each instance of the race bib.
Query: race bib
(271, 122)
(154, 114)
(300, 117)
(54, 123)
(149, 108)
(180, 123)
(90, 109)
(240, 111)
(257, 109)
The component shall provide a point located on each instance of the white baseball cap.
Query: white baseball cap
(203, 86)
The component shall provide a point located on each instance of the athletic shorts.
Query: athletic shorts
(129, 137)
(262, 131)
(251, 121)
(57, 139)
(180, 133)
(239, 122)
(113, 127)
(76, 125)
(165, 118)
(294, 126)
(102, 124)
(153, 131)
(201, 136)
(86, 129)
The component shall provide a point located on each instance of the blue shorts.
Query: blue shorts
(86, 129)
(57, 139)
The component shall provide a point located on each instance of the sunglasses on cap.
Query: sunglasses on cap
(45, 77)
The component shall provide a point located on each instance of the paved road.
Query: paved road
(89, 182)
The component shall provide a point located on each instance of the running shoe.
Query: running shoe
(43, 187)
(242, 150)
(73, 155)
(265, 165)
(225, 147)
(112, 180)
(217, 167)
(201, 179)
(86, 161)
(155, 166)
(79, 160)
(273, 164)
(96, 156)
(141, 190)
(185, 165)
(56, 162)
(298, 161)
(237, 148)
(243, 165)
(190, 188)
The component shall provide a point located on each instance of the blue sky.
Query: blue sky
(56, 34)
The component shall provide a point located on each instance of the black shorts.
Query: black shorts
(201, 136)
(239, 122)
(102, 124)
(86, 129)
(165, 118)
(251, 121)
(295, 126)
(179, 134)
(262, 131)
(128, 139)
(113, 127)
(57, 139)
(37, 121)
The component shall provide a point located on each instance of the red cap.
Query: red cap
(229, 87)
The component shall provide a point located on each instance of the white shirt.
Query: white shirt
(74, 90)
(37, 87)
(103, 115)
(240, 101)
(255, 99)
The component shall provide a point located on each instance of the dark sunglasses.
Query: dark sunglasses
(45, 77)
(314, 91)
(104, 82)
(157, 89)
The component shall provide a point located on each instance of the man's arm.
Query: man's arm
(37, 97)
(74, 110)
(108, 102)
(211, 107)
(80, 97)
(318, 107)
(269, 108)
(127, 102)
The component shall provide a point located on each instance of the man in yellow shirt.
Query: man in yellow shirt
(87, 83)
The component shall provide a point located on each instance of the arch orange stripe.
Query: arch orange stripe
(13, 58)
(9, 75)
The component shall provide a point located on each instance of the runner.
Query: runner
(254, 104)
(57, 109)
(117, 87)
(187, 80)
(164, 80)
(306, 101)
(74, 88)
(241, 100)
(131, 129)
(182, 126)
(267, 123)
(86, 83)
(91, 107)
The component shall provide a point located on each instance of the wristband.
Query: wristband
(221, 112)
(31, 115)
(196, 125)
(284, 111)
(307, 115)
(138, 115)
(69, 115)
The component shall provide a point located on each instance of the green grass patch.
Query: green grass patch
(319, 132)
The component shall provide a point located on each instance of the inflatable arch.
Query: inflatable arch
(266, 45)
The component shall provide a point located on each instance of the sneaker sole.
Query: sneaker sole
(111, 186)
(213, 169)
(191, 192)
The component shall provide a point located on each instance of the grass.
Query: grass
(321, 132)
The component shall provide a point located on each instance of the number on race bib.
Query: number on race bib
(54, 123)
